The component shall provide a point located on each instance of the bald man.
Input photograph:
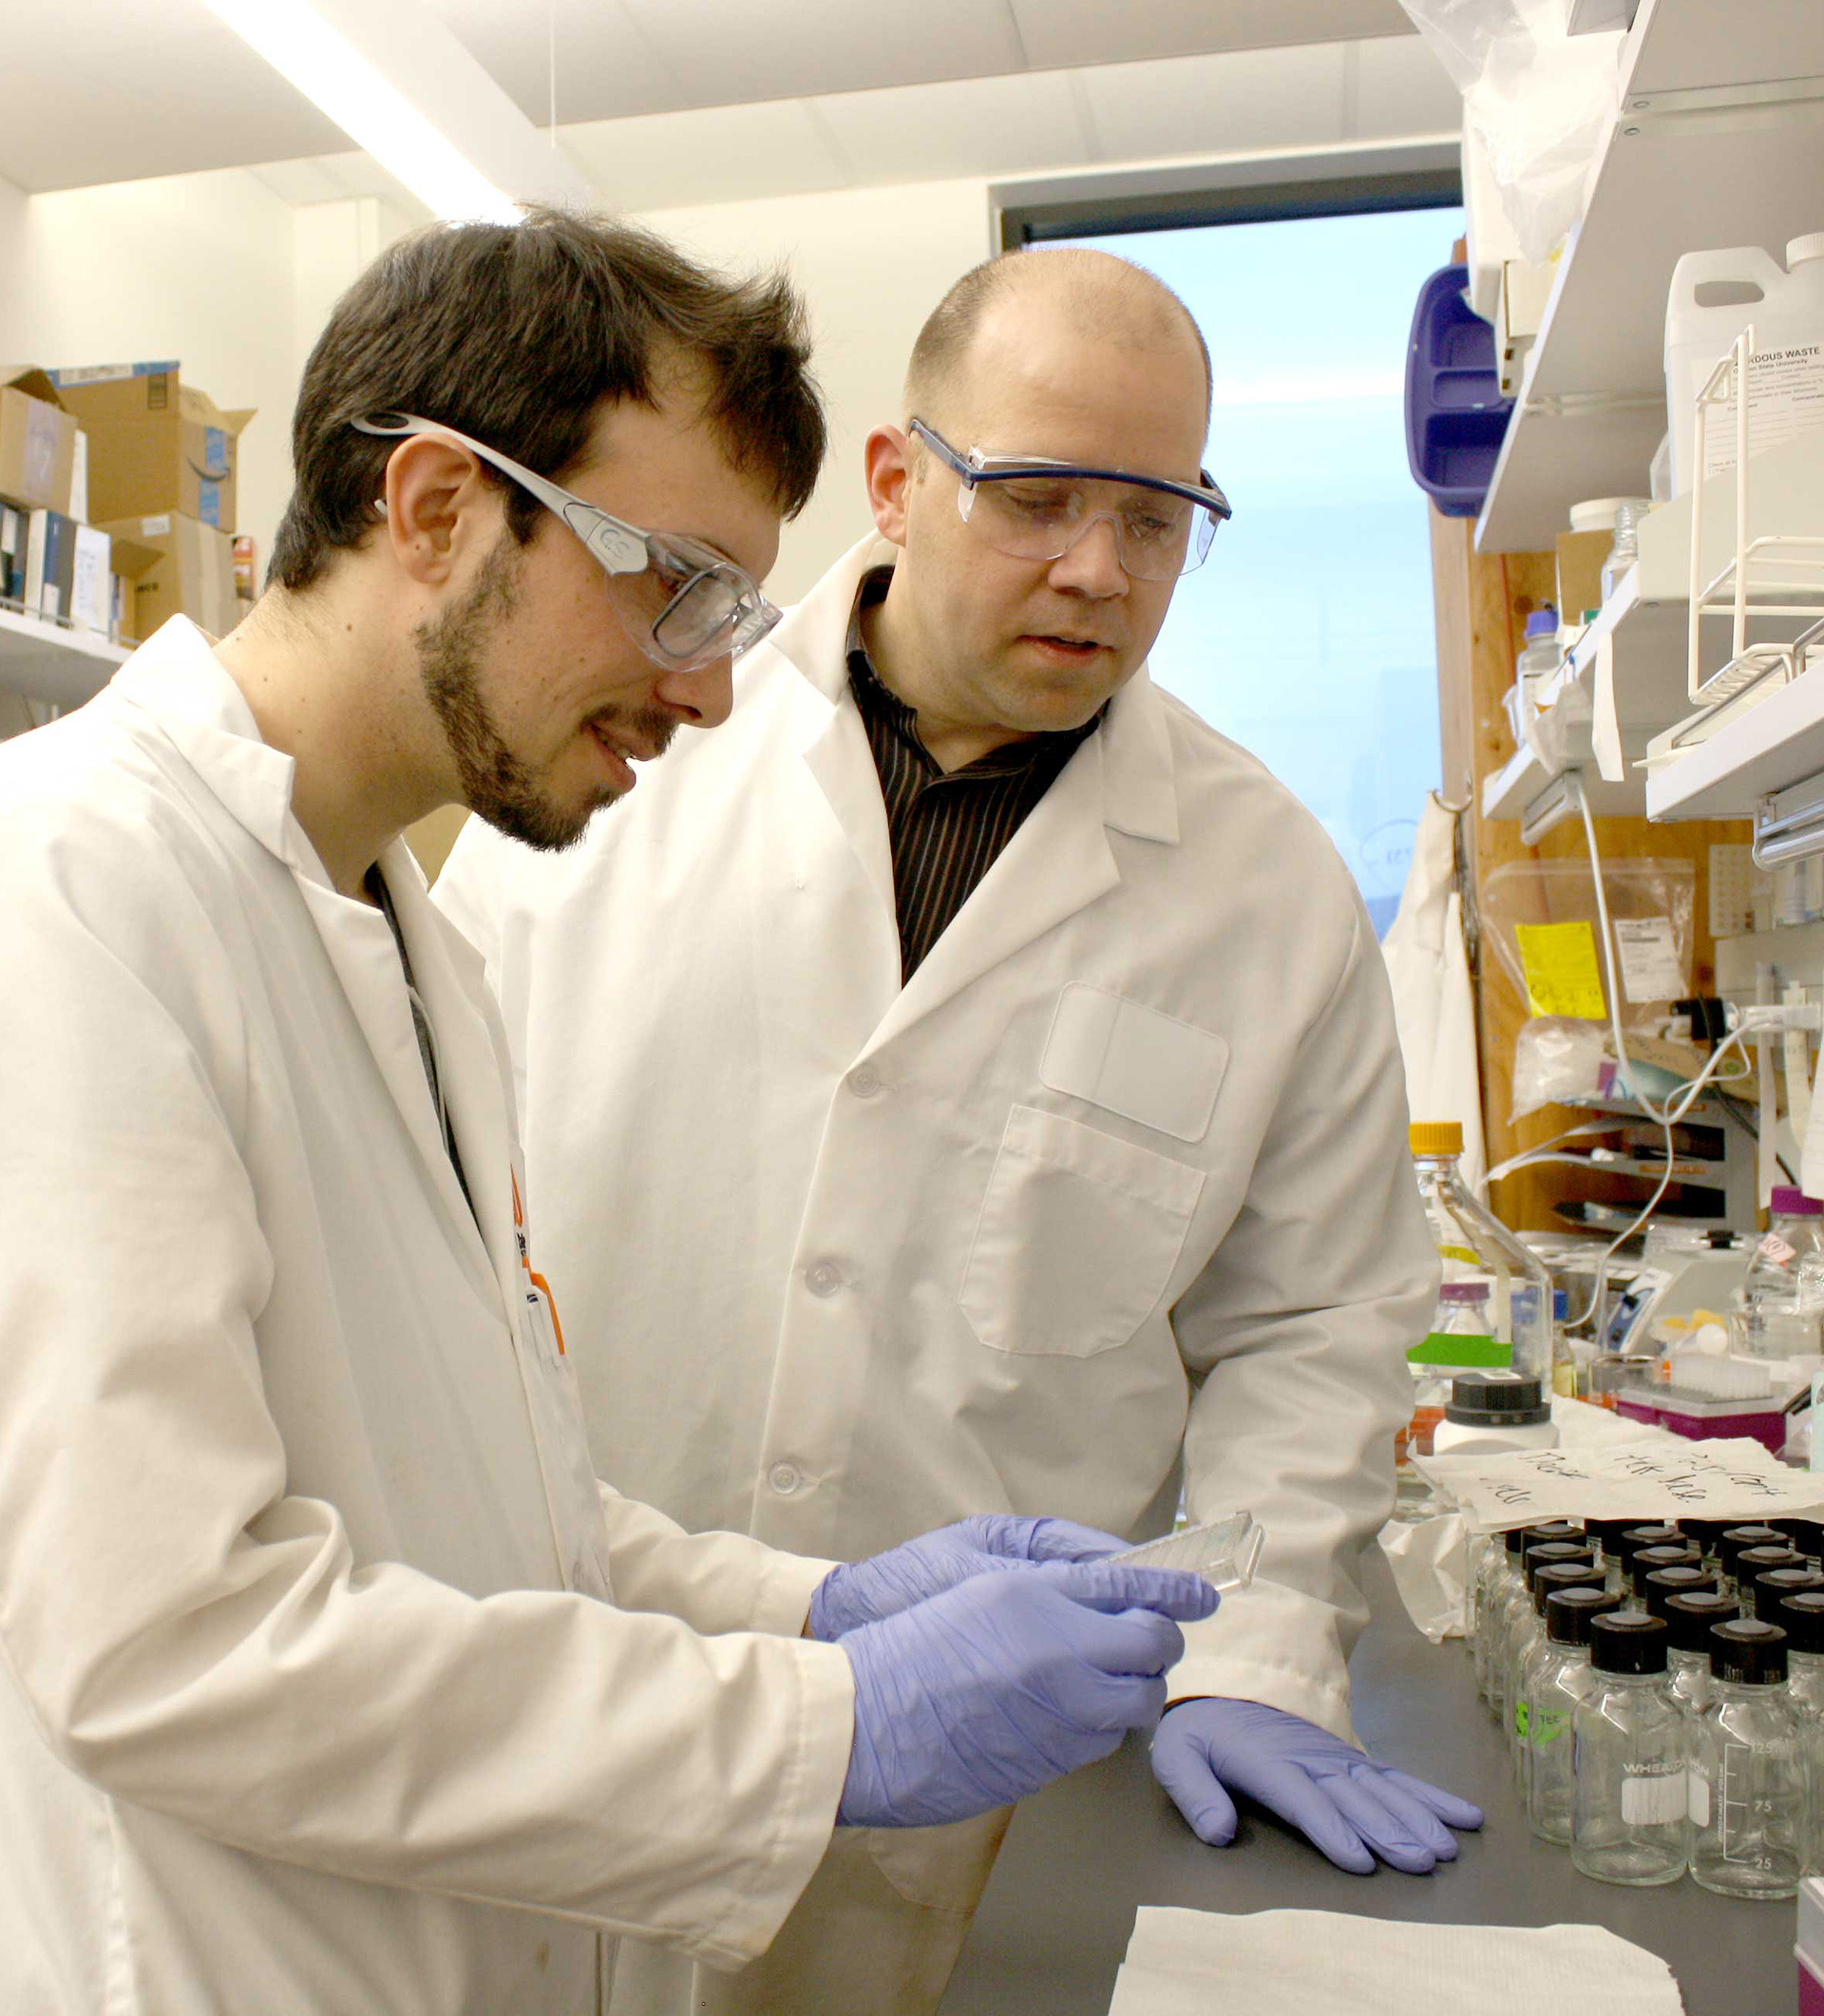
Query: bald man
(968, 1082)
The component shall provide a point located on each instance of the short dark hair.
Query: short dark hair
(515, 334)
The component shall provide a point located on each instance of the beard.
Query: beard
(496, 785)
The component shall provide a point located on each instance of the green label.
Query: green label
(1520, 1720)
(1442, 1348)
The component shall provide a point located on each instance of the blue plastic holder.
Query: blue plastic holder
(1456, 416)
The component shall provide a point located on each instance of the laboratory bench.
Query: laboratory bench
(1081, 1856)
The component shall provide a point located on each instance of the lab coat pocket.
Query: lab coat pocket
(1077, 1237)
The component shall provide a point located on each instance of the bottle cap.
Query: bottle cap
(1800, 249)
(1748, 1652)
(1630, 1540)
(1702, 1534)
(1608, 1530)
(1628, 1641)
(1755, 1561)
(1771, 1590)
(1644, 1560)
(1734, 1540)
(1435, 1137)
(1554, 1553)
(1805, 1534)
(1681, 1581)
(1497, 1400)
(1571, 1606)
(1801, 1617)
(1564, 1575)
(1543, 621)
(1559, 1529)
(1786, 1202)
(1690, 1619)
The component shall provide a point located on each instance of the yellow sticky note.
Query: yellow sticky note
(1560, 965)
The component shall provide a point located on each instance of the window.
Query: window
(1308, 635)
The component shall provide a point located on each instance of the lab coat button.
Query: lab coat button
(863, 1082)
(824, 1279)
(784, 1480)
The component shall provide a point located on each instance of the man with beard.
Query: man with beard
(333, 1679)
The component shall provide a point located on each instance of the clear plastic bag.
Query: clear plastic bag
(1651, 908)
(1225, 1551)
(1558, 1061)
(1538, 98)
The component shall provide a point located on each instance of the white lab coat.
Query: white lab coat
(1123, 1171)
(298, 1709)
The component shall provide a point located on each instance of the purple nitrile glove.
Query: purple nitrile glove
(996, 1687)
(862, 1592)
(1348, 1806)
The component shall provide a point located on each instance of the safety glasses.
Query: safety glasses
(1031, 508)
(684, 604)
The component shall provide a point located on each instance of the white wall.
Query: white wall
(872, 263)
(195, 267)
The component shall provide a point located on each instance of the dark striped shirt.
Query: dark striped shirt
(945, 828)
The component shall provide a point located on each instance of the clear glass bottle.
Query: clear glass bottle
(1689, 1621)
(1644, 1560)
(1771, 1318)
(1751, 1563)
(1503, 1603)
(1603, 1535)
(1748, 1831)
(1498, 1574)
(1555, 1679)
(1773, 1588)
(1802, 1619)
(1561, 1575)
(1736, 1540)
(1517, 1620)
(1625, 548)
(1494, 1305)
(1628, 1758)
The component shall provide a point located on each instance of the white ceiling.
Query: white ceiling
(813, 93)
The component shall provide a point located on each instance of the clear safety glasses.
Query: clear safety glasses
(683, 603)
(1031, 508)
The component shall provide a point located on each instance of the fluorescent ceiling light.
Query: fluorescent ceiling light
(321, 58)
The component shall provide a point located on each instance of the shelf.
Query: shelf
(1778, 743)
(1524, 789)
(45, 662)
(1696, 156)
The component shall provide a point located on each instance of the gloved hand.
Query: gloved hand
(862, 1592)
(1350, 1807)
(987, 1692)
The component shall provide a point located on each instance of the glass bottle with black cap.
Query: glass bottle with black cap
(1514, 1605)
(1571, 1571)
(1557, 1677)
(1518, 1623)
(1690, 1617)
(1501, 1579)
(1748, 1831)
(1628, 1801)
(1801, 1617)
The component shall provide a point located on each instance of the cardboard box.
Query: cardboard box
(1519, 309)
(155, 444)
(37, 440)
(1580, 571)
(191, 572)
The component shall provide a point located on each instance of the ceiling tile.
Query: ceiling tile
(1259, 99)
(705, 156)
(606, 65)
(96, 91)
(1401, 87)
(792, 48)
(977, 125)
(1058, 33)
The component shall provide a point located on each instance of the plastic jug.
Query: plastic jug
(1786, 375)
